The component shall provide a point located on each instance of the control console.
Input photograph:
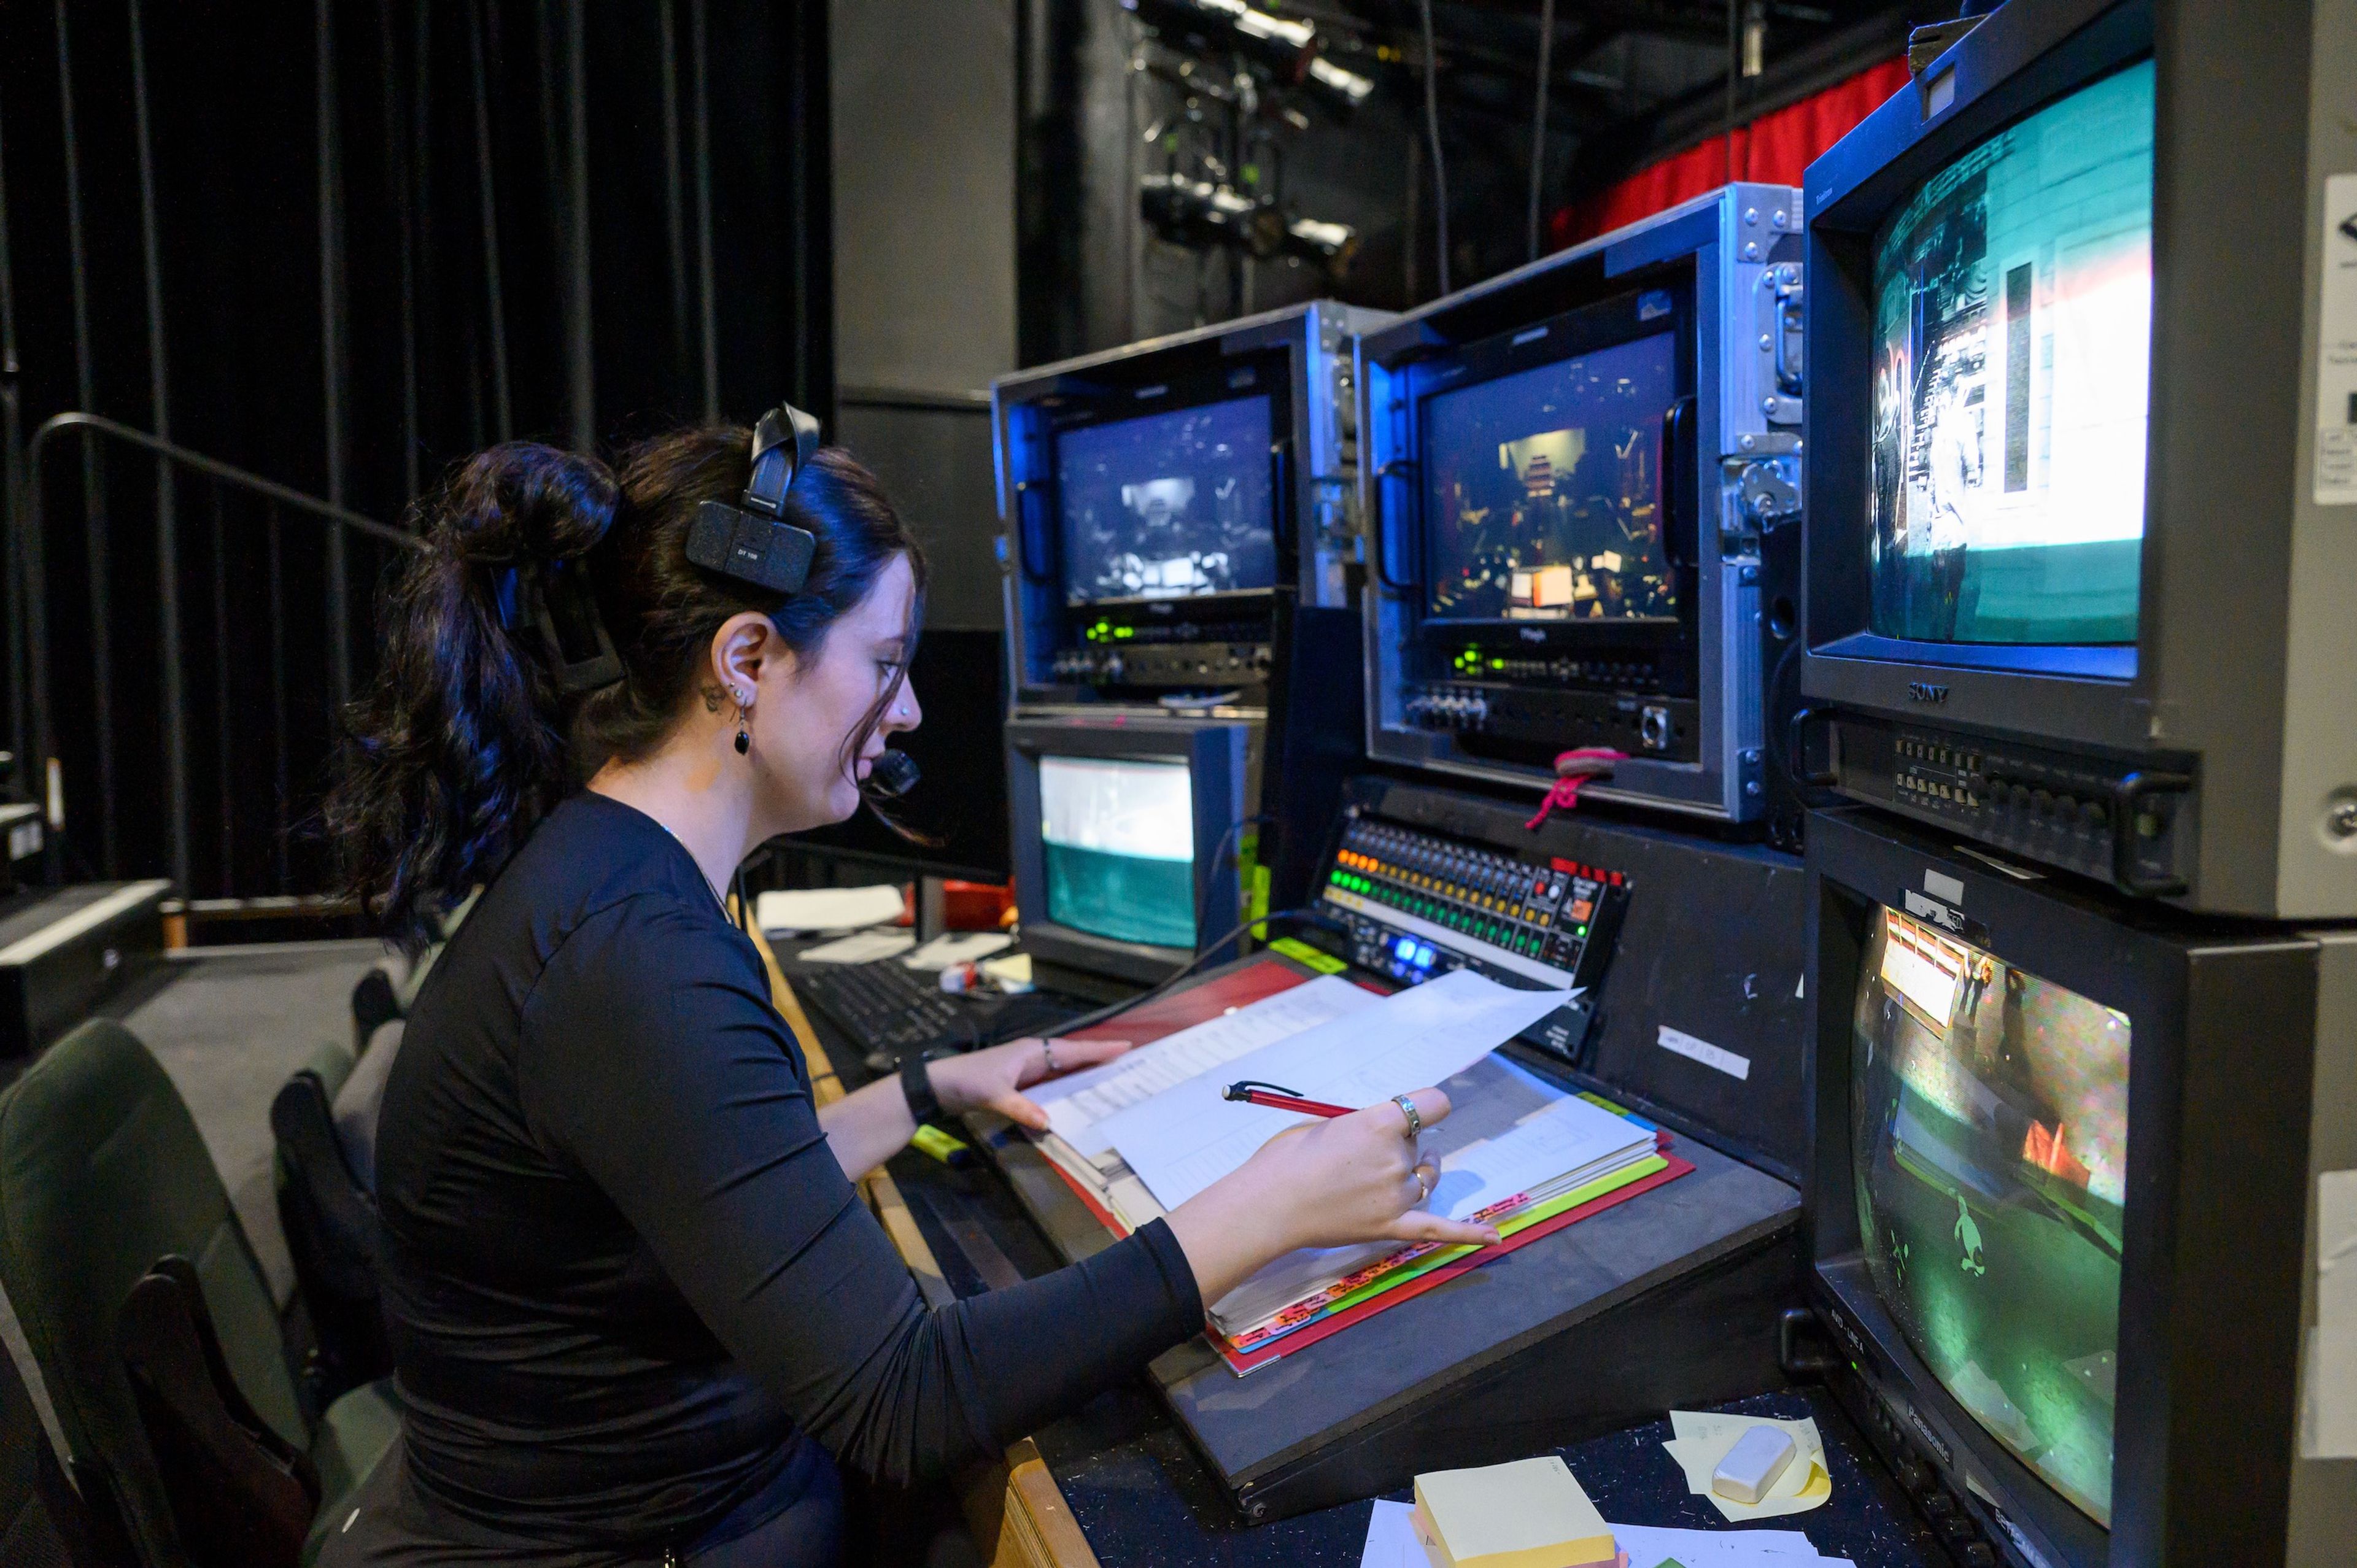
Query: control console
(1416, 904)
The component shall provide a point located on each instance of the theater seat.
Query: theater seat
(42, 1522)
(330, 1221)
(102, 1173)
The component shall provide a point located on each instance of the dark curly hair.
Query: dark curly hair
(464, 743)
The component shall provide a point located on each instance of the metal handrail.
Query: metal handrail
(31, 543)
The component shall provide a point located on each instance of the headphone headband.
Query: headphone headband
(750, 541)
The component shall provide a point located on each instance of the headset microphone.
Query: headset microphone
(751, 541)
(893, 775)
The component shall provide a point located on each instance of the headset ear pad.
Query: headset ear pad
(750, 547)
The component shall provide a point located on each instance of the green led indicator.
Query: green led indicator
(1580, 932)
(1497, 664)
(1125, 631)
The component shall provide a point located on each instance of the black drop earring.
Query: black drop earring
(744, 741)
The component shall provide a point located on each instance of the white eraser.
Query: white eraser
(1753, 1465)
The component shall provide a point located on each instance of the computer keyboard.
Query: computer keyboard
(887, 1009)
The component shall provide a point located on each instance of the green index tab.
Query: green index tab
(1302, 952)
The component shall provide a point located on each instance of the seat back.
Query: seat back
(102, 1173)
(43, 1523)
(331, 1228)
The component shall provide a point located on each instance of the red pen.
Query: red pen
(1248, 1093)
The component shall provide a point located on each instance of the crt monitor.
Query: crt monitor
(1542, 491)
(2074, 538)
(2055, 1198)
(1576, 477)
(1168, 505)
(2012, 300)
(1124, 830)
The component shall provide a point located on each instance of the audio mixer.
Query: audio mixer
(1417, 904)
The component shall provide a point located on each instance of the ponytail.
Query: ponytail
(468, 738)
(460, 747)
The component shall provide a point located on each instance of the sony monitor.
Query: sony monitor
(1577, 475)
(1128, 839)
(1167, 506)
(2072, 547)
(1166, 503)
(1117, 837)
(2056, 1200)
(1542, 494)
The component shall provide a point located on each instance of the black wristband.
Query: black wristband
(917, 1084)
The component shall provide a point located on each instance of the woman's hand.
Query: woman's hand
(993, 1079)
(1327, 1183)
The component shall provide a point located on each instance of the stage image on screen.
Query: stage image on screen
(2013, 316)
(1167, 505)
(1989, 1120)
(1542, 496)
(1118, 837)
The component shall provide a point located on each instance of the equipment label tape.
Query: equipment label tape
(2336, 347)
(1703, 1051)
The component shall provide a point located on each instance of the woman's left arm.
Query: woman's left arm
(869, 1125)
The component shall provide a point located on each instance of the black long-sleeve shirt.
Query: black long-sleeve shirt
(626, 1271)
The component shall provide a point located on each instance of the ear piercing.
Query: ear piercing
(744, 741)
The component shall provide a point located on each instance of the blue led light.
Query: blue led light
(1404, 946)
(1424, 954)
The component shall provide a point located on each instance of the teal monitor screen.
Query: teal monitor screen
(2012, 301)
(1989, 1126)
(1118, 837)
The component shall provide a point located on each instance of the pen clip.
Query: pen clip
(1242, 1089)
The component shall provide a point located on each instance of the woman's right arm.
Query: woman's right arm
(655, 1065)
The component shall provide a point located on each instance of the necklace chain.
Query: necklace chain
(717, 896)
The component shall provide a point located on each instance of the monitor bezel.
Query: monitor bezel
(2020, 60)
(2129, 956)
(1175, 393)
(1215, 751)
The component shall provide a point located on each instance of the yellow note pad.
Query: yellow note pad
(1528, 1514)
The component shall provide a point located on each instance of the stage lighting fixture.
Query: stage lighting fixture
(1338, 86)
(1286, 49)
(1331, 245)
(1188, 211)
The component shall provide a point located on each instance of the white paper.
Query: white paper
(957, 947)
(1187, 1137)
(1703, 1439)
(827, 909)
(2336, 1248)
(1077, 1103)
(860, 947)
(1648, 1546)
(2328, 1425)
(1565, 1139)
(1391, 1538)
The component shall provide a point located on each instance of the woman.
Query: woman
(638, 1311)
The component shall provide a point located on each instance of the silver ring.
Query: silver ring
(1048, 1051)
(1415, 1120)
(1422, 1187)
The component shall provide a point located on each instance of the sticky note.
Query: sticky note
(1528, 1514)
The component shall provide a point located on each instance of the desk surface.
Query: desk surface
(1144, 1496)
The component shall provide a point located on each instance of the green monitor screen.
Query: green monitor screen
(1118, 837)
(2012, 300)
(1989, 1126)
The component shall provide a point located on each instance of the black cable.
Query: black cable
(1538, 119)
(1432, 128)
(1219, 853)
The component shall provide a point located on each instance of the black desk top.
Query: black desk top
(1143, 1496)
(1144, 1501)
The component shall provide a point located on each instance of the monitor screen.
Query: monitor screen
(1119, 840)
(2012, 327)
(1169, 504)
(1542, 491)
(1989, 1127)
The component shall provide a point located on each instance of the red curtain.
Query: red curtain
(1773, 149)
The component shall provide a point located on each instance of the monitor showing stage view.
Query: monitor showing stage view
(1167, 505)
(1542, 491)
(1989, 1119)
(1119, 840)
(2012, 329)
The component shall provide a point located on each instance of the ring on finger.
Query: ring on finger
(1423, 1185)
(1414, 1117)
(1048, 1051)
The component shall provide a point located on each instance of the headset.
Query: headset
(750, 541)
